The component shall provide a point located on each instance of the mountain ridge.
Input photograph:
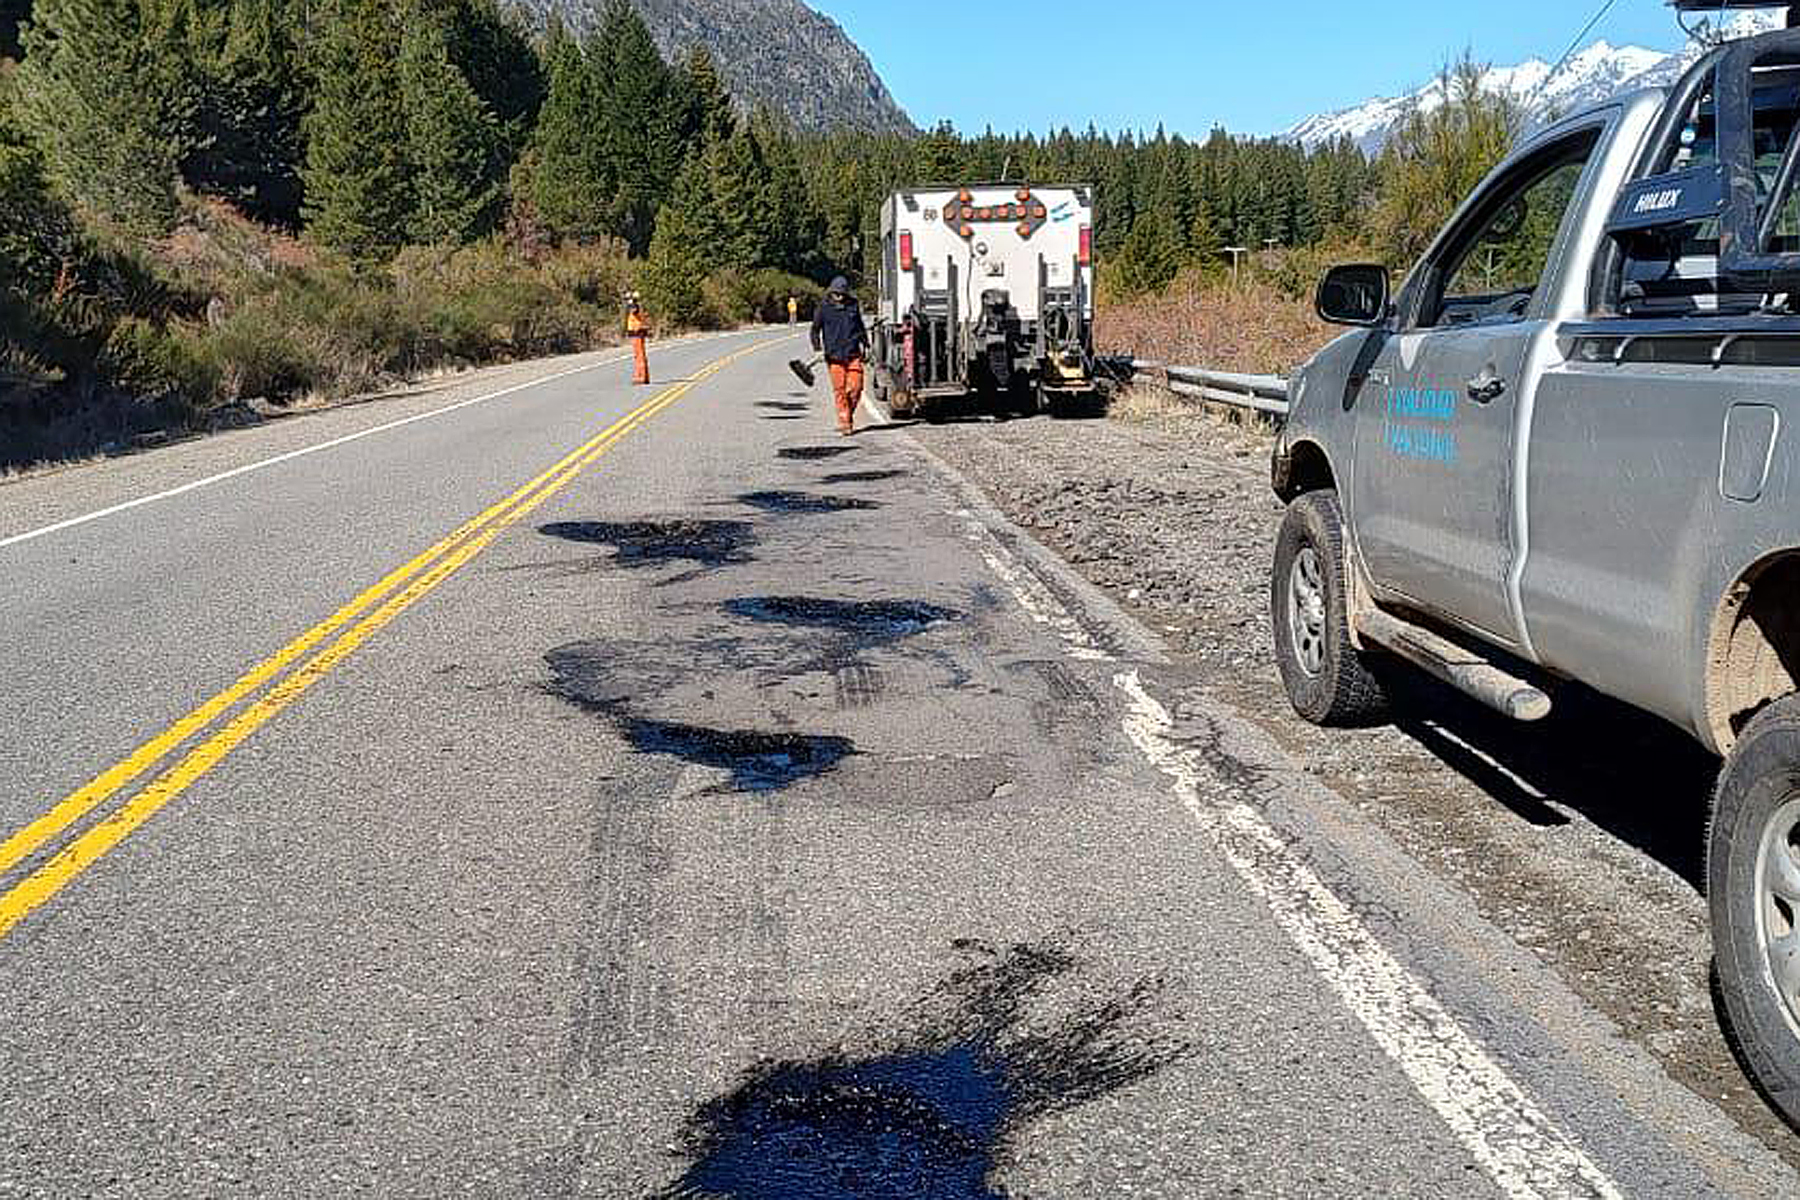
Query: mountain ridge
(1591, 76)
(780, 54)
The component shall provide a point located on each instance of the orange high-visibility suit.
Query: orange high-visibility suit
(638, 330)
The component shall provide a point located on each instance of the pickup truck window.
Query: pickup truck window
(1494, 265)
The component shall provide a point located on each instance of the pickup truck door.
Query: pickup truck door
(1431, 498)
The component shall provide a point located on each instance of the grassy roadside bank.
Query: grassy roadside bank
(1201, 320)
(224, 319)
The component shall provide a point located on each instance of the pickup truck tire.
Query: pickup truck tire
(1328, 680)
(1753, 891)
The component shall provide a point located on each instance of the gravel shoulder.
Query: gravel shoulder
(1581, 837)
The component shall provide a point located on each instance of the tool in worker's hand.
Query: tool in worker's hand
(805, 369)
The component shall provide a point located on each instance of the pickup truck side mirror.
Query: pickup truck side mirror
(1355, 295)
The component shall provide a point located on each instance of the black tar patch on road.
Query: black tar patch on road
(644, 543)
(793, 406)
(813, 453)
(927, 1119)
(862, 476)
(803, 502)
(869, 620)
(758, 761)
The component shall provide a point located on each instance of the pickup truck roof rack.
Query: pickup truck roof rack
(1729, 188)
(1698, 6)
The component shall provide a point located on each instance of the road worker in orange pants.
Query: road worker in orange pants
(839, 334)
(638, 330)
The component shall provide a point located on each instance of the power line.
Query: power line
(1573, 46)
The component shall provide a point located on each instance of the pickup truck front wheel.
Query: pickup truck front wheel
(1327, 678)
(1753, 891)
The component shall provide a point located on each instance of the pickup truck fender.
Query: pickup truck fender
(1318, 435)
(1752, 651)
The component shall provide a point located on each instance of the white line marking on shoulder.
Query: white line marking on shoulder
(247, 468)
(1037, 600)
(1519, 1146)
(1528, 1156)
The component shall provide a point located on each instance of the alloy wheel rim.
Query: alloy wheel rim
(1306, 610)
(1778, 906)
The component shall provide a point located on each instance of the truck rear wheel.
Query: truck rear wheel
(1753, 892)
(1328, 680)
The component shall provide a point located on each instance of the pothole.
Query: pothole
(813, 453)
(883, 620)
(804, 502)
(793, 406)
(758, 762)
(644, 543)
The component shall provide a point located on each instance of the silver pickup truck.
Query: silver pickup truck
(1569, 448)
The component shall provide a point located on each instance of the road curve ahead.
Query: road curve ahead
(539, 786)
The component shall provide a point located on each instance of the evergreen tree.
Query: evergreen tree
(703, 101)
(940, 157)
(640, 126)
(453, 142)
(1204, 243)
(681, 250)
(571, 178)
(493, 51)
(244, 138)
(1151, 255)
(795, 228)
(37, 233)
(92, 94)
(358, 185)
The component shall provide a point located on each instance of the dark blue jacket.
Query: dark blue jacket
(838, 331)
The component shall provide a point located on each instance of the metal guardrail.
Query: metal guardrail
(1266, 394)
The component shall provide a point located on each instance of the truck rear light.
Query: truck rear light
(1085, 256)
(906, 252)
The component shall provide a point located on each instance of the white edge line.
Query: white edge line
(1522, 1150)
(881, 410)
(1525, 1153)
(289, 456)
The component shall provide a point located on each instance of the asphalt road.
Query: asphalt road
(586, 790)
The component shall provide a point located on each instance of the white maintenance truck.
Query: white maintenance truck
(985, 290)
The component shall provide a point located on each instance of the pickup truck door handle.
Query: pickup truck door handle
(1486, 388)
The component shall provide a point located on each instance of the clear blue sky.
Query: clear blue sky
(1191, 64)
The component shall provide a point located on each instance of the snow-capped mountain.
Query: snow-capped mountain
(1600, 71)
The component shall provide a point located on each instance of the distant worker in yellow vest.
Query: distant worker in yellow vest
(793, 309)
(638, 330)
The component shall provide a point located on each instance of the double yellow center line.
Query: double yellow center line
(339, 635)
